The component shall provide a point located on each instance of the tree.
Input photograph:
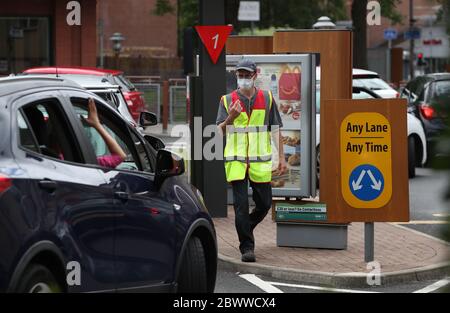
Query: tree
(359, 14)
(274, 13)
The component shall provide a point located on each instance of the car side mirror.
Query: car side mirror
(155, 142)
(168, 164)
(147, 119)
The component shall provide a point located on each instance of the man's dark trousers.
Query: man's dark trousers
(245, 222)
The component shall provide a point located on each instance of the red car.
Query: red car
(134, 98)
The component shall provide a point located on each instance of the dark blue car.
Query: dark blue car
(68, 224)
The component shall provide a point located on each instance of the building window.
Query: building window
(24, 43)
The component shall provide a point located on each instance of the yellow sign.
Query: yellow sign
(366, 160)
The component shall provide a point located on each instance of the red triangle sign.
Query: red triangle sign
(214, 39)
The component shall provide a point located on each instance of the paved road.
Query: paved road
(231, 282)
(427, 206)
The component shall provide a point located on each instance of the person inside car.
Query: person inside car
(117, 155)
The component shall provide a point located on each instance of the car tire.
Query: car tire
(411, 157)
(38, 279)
(193, 277)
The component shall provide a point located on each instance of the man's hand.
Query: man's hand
(235, 109)
(282, 167)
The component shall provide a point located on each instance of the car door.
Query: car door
(144, 224)
(71, 197)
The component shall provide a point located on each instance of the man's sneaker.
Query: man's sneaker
(248, 256)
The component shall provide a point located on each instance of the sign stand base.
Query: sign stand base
(312, 235)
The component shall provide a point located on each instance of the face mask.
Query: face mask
(245, 83)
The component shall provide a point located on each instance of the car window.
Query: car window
(50, 130)
(441, 88)
(117, 130)
(26, 137)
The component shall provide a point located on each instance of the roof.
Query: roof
(83, 80)
(72, 70)
(438, 76)
(14, 84)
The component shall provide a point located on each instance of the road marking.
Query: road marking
(441, 215)
(422, 223)
(320, 288)
(261, 284)
(434, 287)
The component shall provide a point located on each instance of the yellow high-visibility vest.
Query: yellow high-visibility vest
(248, 146)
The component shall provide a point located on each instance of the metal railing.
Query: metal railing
(177, 104)
(152, 88)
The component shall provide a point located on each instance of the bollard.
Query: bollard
(165, 109)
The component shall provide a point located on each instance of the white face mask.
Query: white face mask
(245, 83)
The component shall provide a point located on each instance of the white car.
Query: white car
(417, 145)
(371, 81)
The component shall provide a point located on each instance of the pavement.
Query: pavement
(405, 256)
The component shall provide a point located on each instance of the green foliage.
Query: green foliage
(163, 7)
(443, 14)
(388, 10)
(274, 13)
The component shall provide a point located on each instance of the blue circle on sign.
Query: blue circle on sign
(366, 182)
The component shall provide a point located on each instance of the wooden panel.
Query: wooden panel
(397, 209)
(335, 49)
(397, 66)
(249, 45)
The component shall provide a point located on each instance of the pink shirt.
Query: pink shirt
(111, 161)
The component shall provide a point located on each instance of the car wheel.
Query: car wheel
(411, 157)
(192, 277)
(38, 279)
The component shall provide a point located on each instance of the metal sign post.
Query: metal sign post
(209, 176)
(369, 240)
(389, 35)
(249, 11)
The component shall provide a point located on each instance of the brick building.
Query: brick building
(425, 13)
(36, 33)
(144, 32)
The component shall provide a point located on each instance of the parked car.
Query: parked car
(136, 227)
(417, 146)
(429, 100)
(369, 80)
(133, 97)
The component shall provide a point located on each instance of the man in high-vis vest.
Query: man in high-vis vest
(249, 117)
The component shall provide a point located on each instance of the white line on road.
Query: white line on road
(320, 288)
(441, 215)
(422, 223)
(267, 287)
(434, 287)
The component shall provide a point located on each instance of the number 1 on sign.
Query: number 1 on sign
(216, 38)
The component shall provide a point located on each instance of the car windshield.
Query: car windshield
(125, 83)
(371, 83)
(362, 95)
(115, 99)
